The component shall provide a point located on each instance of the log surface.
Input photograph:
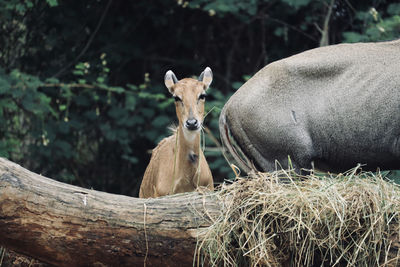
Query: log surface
(66, 225)
(9, 258)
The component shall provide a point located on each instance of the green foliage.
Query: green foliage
(82, 97)
(222, 7)
(240, 9)
(82, 123)
(297, 3)
(52, 3)
(377, 27)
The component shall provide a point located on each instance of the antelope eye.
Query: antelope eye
(177, 98)
(202, 96)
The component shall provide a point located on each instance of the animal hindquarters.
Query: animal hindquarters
(338, 105)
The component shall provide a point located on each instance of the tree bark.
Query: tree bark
(66, 225)
(9, 258)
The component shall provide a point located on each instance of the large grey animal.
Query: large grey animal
(333, 106)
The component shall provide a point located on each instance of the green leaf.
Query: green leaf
(297, 3)
(279, 31)
(64, 127)
(80, 66)
(122, 136)
(166, 104)
(7, 103)
(131, 86)
(116, 112)
(138, 120)
(78, 72)
(20, 8)
(81, 100)
(108, 132)
(151, 134)
(52, 80)
(66, 148)
(393, 9)
(117, 89)
(352, 37)
(237, 85)
(130, 102)
(29, 104)
(147, 112)
(52, 3)
(161, 121)
(246, 77)
(4, 149)
(76, 123)
(29, 4)
(90, 115)
(4, 86)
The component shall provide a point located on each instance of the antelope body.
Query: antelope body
(333, 106)
(178, 164)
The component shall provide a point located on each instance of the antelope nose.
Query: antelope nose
(192, 124)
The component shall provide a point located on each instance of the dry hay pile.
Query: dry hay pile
(348, 220)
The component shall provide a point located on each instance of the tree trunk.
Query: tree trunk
(67, 225)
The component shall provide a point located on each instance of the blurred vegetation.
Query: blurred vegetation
(82, 98)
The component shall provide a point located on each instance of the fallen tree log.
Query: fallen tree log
(66, 225)
(10, 258)
(350, 220)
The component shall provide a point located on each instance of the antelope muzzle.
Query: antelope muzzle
(192, 124)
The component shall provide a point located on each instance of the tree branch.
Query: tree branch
(291, 27)
(325, 30)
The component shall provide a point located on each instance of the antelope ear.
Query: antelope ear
(170, 80)
(206, 77)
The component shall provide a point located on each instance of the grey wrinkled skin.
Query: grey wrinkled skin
(335, 106)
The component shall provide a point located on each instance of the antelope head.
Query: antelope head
(189, 95)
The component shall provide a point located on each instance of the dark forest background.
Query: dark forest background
(82, 98)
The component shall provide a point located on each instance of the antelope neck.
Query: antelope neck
(187, 149)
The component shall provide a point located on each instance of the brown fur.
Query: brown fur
(161, 177)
